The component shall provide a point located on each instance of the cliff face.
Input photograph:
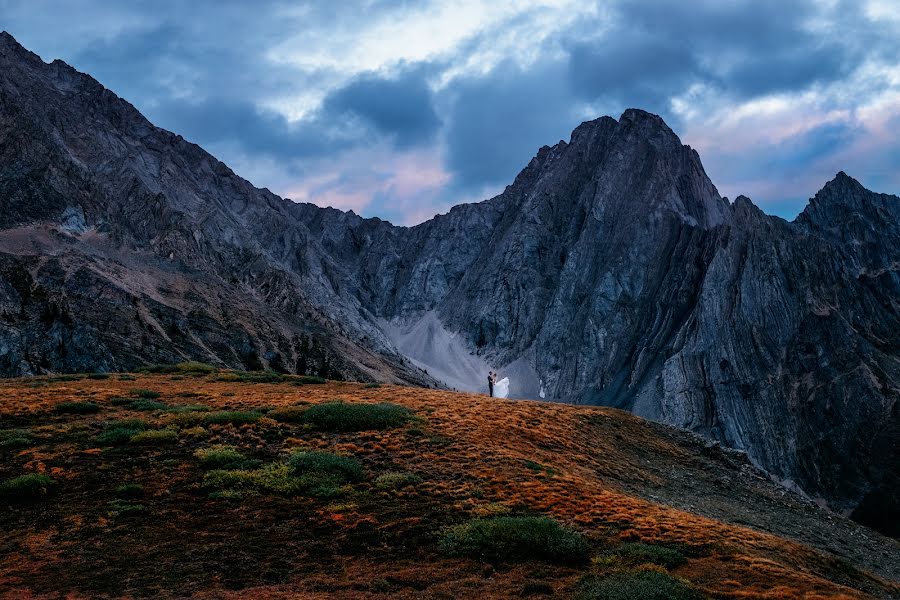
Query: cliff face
(610, 272)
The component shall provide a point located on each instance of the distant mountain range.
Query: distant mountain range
(610, 272)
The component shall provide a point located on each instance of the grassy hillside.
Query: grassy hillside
(225, 484)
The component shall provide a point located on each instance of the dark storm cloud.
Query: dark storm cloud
(497, 123)
(399, 107)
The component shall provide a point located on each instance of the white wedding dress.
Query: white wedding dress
(501, 388)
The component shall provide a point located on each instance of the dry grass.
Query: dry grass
(590, 469)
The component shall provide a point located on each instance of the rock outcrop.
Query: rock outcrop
(610, 272)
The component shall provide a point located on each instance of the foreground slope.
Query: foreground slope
(144, 499)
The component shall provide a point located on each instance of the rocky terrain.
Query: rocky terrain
(219, 484)
(610, 272)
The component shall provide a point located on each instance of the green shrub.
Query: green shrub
(309, 380)
(372, 386)
(515, 538)
(15, 438)
(194, 432)
(152, 437)
(275, 477)
(393, 480)
(219, 457)
(643, 585)
(126, 377)
(235, 417)
(252, 377)
(77, 408)
(119, 401)
(121, 432)
(288, 414)
(62, 378)
(24, 488)
(637, 553)
(196, 368)
(123, 508)
(146, 394)
(147, 405)
(315, 461)
(343, 416)
(157, 369)
(98, 376)
(130, 490)
(228, 377)
(188, 408)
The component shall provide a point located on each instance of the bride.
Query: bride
(501, 388)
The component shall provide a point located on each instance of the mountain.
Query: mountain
(610, 272)
(137, 503)
(124, 244)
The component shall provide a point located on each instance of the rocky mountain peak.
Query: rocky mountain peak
(9, 47)
(844, 199)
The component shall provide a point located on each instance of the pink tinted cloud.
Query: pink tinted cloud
(412, 181)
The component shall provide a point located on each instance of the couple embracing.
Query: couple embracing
(497, 389)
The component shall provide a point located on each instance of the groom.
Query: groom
(492, 377)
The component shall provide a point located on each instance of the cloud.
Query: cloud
(496, 123)
(401, 109)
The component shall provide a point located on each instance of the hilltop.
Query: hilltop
(217, 484)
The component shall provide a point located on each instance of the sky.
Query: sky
(401, 109)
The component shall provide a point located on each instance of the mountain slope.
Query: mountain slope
(609, 272)
(123, 244)
(165, 514)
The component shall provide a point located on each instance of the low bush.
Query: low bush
(130, 490)
(194, 432)
(124, 508)
(288, 414)
(638, 553)
(62, 378)
(345, 416)
(252, 377)
(646, 585)
(146, 394)
(219, 457)
(153, 437)
(121, 432)
(146, 405)
(119, 401)
(274, 477)
(77, 408)
(309, 380)
(15, 438)
(157, 369)
(346, 468)
(516, 538)
(235, 417)
(126, 377)
(195, 368)
(372, 386)
(188, 408)
(25, 488)
(395, 480)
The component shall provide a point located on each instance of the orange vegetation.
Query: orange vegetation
(597, 470)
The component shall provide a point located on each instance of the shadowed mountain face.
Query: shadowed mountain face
(610, 272)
